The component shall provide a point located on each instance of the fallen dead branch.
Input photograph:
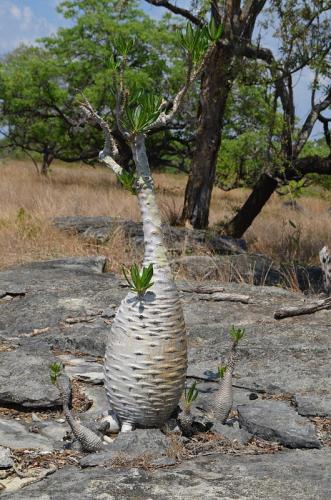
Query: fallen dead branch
(79, 319)
(230, 297)
(201, 289)
(288, 312)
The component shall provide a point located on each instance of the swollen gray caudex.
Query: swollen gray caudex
(146, 355)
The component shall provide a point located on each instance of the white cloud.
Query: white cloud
(15, 11)
(21, 24)
(27, 18)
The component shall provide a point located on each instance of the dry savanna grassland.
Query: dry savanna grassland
(28, 203)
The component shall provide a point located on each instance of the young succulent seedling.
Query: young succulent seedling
(185, 418)
(236, 334)
(87, 438)
(190, 394)
(223, 399)
(140, 282)
(221, 371)
(55, 371)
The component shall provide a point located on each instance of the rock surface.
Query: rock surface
(101, 229)
(131, 445)
(25, 380)
(6, 462)
(278, 421)
(310, 405)
(15, 434)
(65, 309)
(232, 432)
(229, 262)
(271, 354)
(250, 268)
(299, 475)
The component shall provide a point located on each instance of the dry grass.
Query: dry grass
(273, 234)
(28, 204)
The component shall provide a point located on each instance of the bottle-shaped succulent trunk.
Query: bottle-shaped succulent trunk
(223, 399)
(146, 356)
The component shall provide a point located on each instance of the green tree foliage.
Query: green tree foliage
(40, 86)
(38, 112)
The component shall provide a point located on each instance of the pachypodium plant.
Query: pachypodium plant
(186, 418)
(88, 440)
(223, 399)
(146, 355)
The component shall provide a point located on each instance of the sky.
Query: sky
(23, 21)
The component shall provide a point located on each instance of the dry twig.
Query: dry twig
(288, 312)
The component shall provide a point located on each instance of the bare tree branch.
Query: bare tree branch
(110, 148)
(325, 121)
(177, 10)
(310, 122)
(215, 11)
(251, 9)
(311, 165)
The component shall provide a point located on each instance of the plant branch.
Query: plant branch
(251, 9)
(110, 149)
(325, 121)
(191, 75)
(177, 10)
(310, 121)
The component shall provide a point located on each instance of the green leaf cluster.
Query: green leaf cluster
(213, 31)
(141, 112)
(124, 45)
(221, 371)
(139, 282)
(127, 179)
(237, 333)
(194, 41)
(39, 85)
(191, 394)
(55, 371)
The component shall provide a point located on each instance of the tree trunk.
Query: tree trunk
(47, 160)
(266, 185)
(261, 193)
(215, 87)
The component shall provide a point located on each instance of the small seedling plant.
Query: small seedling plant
(236, 334)
(221, 371)
(190, 395)
(139, 282)
(55, 371)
